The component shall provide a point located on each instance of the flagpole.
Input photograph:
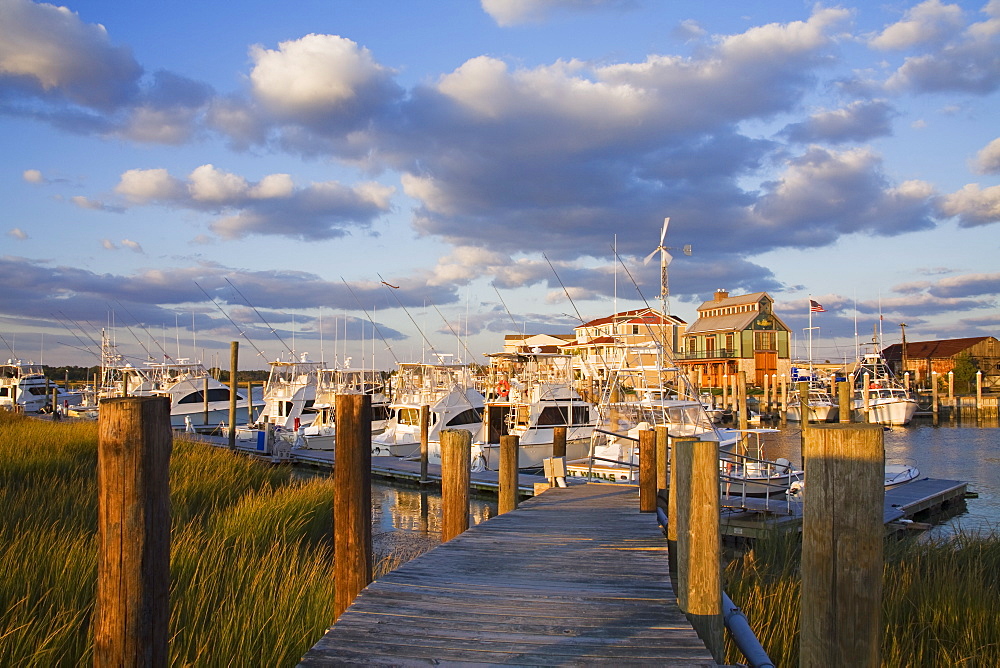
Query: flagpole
(810, 339)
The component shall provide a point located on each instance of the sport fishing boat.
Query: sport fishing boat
(883, 400)
(321, 434)
(289, 399)
(453, 400)
(820, 405)
(24, 387)
(534, 394)
(184, 383)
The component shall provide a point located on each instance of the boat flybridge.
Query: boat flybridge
(532, 394)
(24, 387)
(321, 433)
(884, 400)
(449, 390)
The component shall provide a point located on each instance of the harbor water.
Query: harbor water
(951, 451)
(409, 519)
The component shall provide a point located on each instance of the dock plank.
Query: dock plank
(575, 576)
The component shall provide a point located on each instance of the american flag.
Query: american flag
(816, 307)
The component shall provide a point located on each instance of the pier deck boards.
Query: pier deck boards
(574, 576)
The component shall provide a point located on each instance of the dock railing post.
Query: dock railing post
(699, 542)
(234, 360)
(425, 416)
(507, 498)
(842, 535)
(456, 455)
(559, 442)
(647, 471)
(352, 499)
(844, 401)
(132, 607)
(935, 403)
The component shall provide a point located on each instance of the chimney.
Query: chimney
(721, 294)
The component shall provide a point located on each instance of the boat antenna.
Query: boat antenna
(365, 311)
(238, 328)
(259, 315)
(139, 341)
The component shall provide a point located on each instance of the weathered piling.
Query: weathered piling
(744, 407)
(699, 543)
(935, 402)
(425, 419)
(842, 535)
(234, 363)
(456, 453)
(804, 417)
(662, 455)
(559, 442)
(507, 496)
(647, 471)
(204, 399)
(844, 401)
(132, 608)
(352, 499)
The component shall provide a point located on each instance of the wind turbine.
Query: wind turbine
(665, 259)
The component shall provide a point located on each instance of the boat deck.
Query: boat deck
(574, 576)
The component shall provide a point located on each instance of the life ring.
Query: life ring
(503, 389)
(874, 386)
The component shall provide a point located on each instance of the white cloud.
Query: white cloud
(513, 12)
(33, 176)
(149, 185)
(313, 75)
(58, 53)
(107, 244)
(273, 186)
(988, 159)
(17, 233)
(211, 185)
(973, 205)
(134, 246)
(930, 21)
(92, 204)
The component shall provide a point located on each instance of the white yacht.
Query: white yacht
(321, 433)
(454, 402)
(24, 387)
(884, 400)
(534, 394)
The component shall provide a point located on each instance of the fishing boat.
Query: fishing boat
(820, 406)
(644, 391)
(24, 387)
(746, 472)
(878, 397)
(321, 433)
(289, 405)
(453, 400)
(196, 398)
(534, 394)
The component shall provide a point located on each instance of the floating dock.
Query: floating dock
(914, 501)
(574, 576)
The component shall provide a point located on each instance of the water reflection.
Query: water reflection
(959, 451)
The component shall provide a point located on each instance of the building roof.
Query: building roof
(738, 300)
(932, 349)
(642, 315)
(735, 322)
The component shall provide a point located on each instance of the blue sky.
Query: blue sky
(197, 173)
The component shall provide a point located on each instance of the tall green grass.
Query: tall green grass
(940, 600)
(251, 555)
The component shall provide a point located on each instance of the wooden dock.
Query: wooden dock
(914, 500)
(574, 576)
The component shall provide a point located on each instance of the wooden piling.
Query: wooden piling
(662, 457)
(250, 415)
(743, 404)
(425, 418)
(844, 401)
(234, 359)
(725, 392)
(803, 390)
(559, 441)
(507, 497)
(132, 608)
(699, 542)
(935, 403)
(866, 394)
(842, 537)
(456, 453)
(647, 471)
(352, 499)
(783, 412)
(204, 400)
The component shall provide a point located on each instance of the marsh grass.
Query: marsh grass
(251, 557)
(940, 600)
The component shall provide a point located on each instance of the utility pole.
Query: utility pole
(902, 327)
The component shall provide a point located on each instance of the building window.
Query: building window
(764, 341)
